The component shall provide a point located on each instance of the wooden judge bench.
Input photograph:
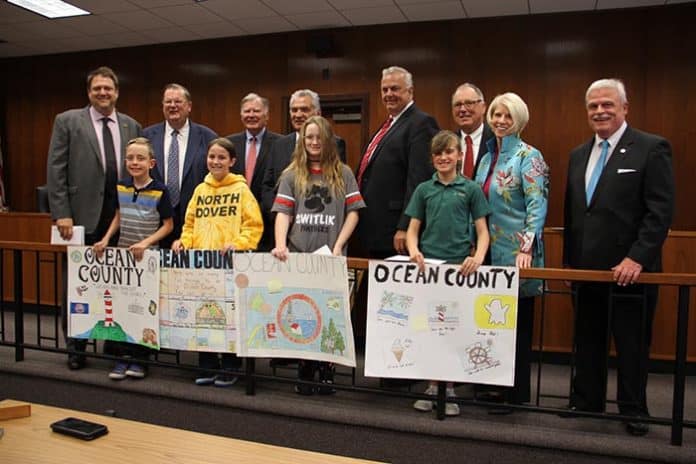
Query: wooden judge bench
(679, 256)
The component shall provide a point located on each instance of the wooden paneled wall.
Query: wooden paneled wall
(548, 59)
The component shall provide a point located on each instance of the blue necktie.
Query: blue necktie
(173, 169)
(597, 171)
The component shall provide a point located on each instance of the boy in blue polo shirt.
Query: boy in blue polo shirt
(446, 203)
(143, 217)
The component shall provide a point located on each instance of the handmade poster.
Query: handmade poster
(197, 301)
(113, 297)
(298, 308)
(440, 325)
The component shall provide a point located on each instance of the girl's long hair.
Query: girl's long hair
(331, 165)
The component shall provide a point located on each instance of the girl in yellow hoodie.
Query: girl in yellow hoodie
(222, 215)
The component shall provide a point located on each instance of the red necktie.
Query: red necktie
(250, 161)
(468, 169)
(371, 148)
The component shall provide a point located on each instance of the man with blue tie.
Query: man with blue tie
(619, 204)
(253, 154)
(181, 149)
(85, 158)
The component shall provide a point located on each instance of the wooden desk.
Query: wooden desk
(30, 440)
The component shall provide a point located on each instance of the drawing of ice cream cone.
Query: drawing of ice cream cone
(397, 350)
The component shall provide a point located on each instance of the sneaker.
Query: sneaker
(119, 371)
(451, 409)
(206, 379)
(136, 371)
(225, 380)
(426, 405)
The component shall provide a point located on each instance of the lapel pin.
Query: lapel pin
(623, 150)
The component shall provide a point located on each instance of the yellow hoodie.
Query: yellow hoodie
(222, 213)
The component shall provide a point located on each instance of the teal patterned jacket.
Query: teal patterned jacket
(518, 197)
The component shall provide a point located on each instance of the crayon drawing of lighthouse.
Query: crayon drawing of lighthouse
(108, 309)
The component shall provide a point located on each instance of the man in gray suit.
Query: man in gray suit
(253, 147)
(85, 159)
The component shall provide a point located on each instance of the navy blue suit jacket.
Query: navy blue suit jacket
(195, 167)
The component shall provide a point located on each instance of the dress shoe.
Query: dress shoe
(501, 410)
(76, 361)
(568, 412)
(636, 428)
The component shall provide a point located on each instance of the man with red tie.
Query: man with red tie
(468, 111)
(395, 161)
(253, 154)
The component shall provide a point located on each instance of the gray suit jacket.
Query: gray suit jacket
(75, 173)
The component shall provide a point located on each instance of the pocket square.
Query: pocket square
(625, 171)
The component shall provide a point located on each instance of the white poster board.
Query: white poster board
(299, 308)
(113, 297)
(197, 301)
(440, 325)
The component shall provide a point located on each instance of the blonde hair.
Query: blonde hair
(331, 165)
(517, 108)
(144, 142)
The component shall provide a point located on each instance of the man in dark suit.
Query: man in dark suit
(181, 149)
(618, 208)
(303, 104)
(394, 163)
(253, 154)
(468, 112)
(86, 157)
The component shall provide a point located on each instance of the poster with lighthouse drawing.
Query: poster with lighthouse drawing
(113, 296)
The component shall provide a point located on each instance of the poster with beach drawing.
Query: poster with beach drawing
(441, 325)
(295, 309)
(197, 301)
(113, 296)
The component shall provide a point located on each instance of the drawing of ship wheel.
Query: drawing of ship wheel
(478, 355)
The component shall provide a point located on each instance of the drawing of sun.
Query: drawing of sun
(299, 318)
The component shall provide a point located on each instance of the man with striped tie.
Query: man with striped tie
(180, 147)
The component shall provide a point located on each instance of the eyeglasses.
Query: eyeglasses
(468, 104)
(173, 102)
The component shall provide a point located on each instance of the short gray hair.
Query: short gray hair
(175, 86)
(615, 84)
(307, 93)
(517, 108)
(253, 97)
(408, 77)
(472, 87)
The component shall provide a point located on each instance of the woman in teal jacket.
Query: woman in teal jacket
(515, 179)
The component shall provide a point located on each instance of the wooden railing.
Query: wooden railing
(677, 303)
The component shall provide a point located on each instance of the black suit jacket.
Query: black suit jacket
(280, 158)
(398, 164)
(262, 159)
(631, 210)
